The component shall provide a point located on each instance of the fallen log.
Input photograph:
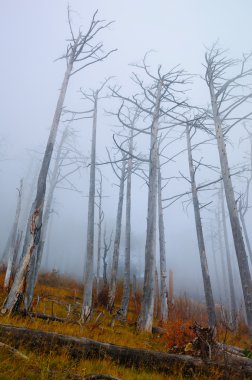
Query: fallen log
(87, 348)
(99, 377)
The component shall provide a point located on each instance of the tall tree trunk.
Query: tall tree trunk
(232, 209)
(36, 259)
(115, 259)
(225, 298)
(201, 244)
(88, 278)
(15, 296)
(163, 271)
(126, 282)
(229, 266)
(146, 314)
(245, 232)
(101, 215)
(13, 238)
(157, 296)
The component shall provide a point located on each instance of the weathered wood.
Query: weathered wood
(162, 251)
(87, 348)
(229, 266)
(89, 264)
(147, 307)
(200, 237)
(219, 89)
(116, 250)
(99, 377)
(126, 277)
(36, 259)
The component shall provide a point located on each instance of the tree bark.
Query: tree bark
(232, 209)
(115, 260)
(88, 277)
(18, 288)
(201, 244)
(126, 282)
(229, 266)
(163, 271)
(36, 259)
(101, 216)
(245, 232)
(146, 314)
(225, 298)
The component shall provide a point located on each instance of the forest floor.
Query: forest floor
(61, 297)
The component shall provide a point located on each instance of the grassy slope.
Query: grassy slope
(55, 366)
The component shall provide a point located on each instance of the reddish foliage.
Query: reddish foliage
(178, 333)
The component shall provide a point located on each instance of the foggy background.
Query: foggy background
(33, 35)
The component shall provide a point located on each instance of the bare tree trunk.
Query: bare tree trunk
(222, 259)
(101, 217)
(36, 259)
(17, 291)
(201, 244)
(146, 314)
(88, 278)
(157, 296)
(126, 282)
(229, 266)
(163, 271)
(233, 213)
(245, 232)
(13, 238)
(115, 260)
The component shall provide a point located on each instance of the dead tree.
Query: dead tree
(126, 279)
(11, 258)
(68, 157)
(115, 259)
(163, 269)
(88, 277)
(201, 243)
(81, 52)
(157, 101)
(222, 255)
(229, 265)
(226, 102)
(89, 264)
(243, 204)
(100, 220)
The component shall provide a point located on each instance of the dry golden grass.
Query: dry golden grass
(60, 367)
(56, 293)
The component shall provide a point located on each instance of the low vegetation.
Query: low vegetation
(60, 297)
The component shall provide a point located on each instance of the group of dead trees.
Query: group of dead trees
(158, 107)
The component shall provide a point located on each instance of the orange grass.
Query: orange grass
(57, 292)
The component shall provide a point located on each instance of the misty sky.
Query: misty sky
(33, 35)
